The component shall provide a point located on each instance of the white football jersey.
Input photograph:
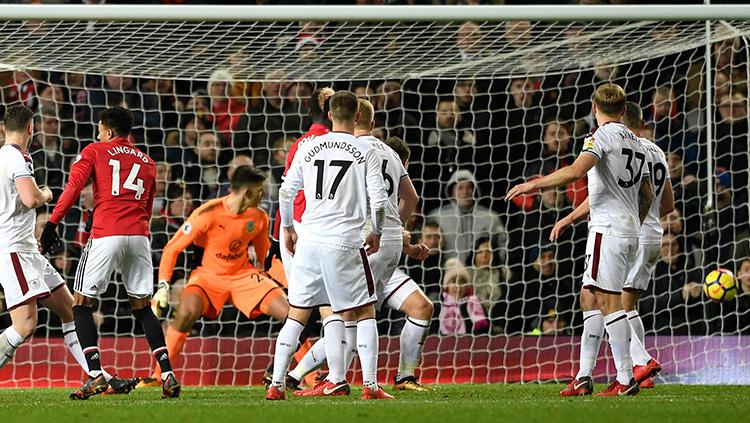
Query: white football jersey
(614, 182)
(393, 172)
(651, 230)
(16, 220)
(337, 173)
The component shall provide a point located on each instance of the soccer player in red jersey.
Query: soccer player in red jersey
(124, 185)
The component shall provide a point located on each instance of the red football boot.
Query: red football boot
(617, 389)
(578, 388)
(275, 394)
(651, 369)
(375, 394)
(647, 384)
(325, 388)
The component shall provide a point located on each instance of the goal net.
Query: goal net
(493, 102)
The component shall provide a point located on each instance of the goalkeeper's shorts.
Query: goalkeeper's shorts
(251, 291)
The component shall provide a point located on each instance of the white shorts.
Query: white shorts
(130, 255)
(643, 267)
(325, 274)
(27, 277)
(286, 259)
(385, 261)
(608, 260)
(396, 290)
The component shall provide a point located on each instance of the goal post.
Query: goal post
(495, 94)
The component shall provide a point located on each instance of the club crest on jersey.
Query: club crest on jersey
(588, 142)
(250, 226)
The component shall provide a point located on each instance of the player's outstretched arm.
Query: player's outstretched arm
(645, 198)
(32, 196)
(80, 173)
(560, 177)
(580, 212)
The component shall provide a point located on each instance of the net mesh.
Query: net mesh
(500, 102)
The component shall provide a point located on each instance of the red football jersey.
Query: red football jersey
(315, 130)
(124, 185)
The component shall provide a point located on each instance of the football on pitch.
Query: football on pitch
(720, 286)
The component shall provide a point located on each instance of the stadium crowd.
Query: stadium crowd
(491, 267)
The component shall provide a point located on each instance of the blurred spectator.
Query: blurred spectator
(488, 279)
(267, 122)
(463, 221)
(79, 98)
(473, 110)
(161, 106)
(549, 323)
(430, 271)
(666, 119)
(523, 116)
(202, 177)
(469, 41)
(557, 152)
(670, 302)
(227, 111)
(461, 312)
(22, 89)
(389, 113)
(726, 230)
(179, 207)
(163, 178)
(47, 153)
(52, 101)
(181, 144)
(685, 187)
(117, 90)
(65, 263)
(731, 148)
(674, 224)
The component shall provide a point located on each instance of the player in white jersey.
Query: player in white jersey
(620, 195)
(392, 286)
(648, 254)
(338, 174)
(27, 277)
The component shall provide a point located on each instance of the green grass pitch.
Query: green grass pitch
(449, 403)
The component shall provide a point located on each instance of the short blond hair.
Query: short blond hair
(610, 99)
(366, 114)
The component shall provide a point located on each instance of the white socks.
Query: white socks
(411, 344)
(335, 347)
(10, 339)
(351, 344)
(637, 347)
(286, 344)
(367, 348)
(313, 359)
(618, 329)
(591, 339)
(71, 341)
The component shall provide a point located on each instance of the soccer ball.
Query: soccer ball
(720, 286)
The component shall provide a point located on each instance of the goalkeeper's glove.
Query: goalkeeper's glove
(161, 298)
(50, 241)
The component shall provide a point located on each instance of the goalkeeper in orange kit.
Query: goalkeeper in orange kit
(224, 228)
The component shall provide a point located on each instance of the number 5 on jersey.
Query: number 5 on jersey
(132, 182)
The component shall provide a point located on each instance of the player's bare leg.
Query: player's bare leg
(286, 344)
(60, 302)
(88, 336)
(141, 309)
(192, 305)
(645, 367)
(419, 310)
(23, 325)
(618, 329)
(591, 339)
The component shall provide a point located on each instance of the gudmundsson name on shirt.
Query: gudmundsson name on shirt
(343, 145)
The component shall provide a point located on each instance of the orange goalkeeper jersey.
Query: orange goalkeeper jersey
(224, 236)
